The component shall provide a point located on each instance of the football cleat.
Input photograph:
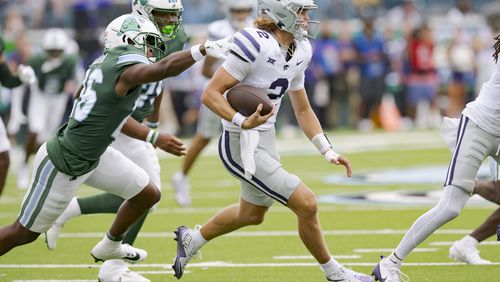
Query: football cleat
(180, 182)
(23, 178)
(386, 271)
(185, 250)
(468, 253)
(107, 249)
(52, 235)
(117, 271)
(348, 275)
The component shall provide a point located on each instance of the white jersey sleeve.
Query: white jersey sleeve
(485, 110)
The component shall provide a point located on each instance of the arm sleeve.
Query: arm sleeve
(7, 78)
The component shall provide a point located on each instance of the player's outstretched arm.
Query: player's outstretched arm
(166, 142)
(172, 65)
(312, 129)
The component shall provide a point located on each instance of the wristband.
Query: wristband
(196, 54)
(321, 142)
(152, 136)
(238, 119)
(155, 136)
(330, 155)
(152, 125)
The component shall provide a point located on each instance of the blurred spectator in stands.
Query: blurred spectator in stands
(49, 13)
(395, 47)
(331, 57)
(86, 21)
(404, 17)
(421, 82)
(372, 61)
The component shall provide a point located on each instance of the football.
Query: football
(245, 99)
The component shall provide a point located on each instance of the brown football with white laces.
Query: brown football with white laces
(245, 99)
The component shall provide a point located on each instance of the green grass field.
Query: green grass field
(356, 234)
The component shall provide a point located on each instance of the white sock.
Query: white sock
(73, 210)
(330, 267)
(394, 259)
(198, 239)
(469, 240)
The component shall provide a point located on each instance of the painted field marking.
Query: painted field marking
(286, 233)
(222, 264)
(311, 257)
(418, 250)
(445, 243)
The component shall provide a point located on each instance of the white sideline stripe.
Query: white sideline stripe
(418, 250)
(451, 243)
(223, 264)
(311, 257)
(361, 232)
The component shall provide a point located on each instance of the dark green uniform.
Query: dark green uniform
(149, 92)
(53, 74)
(98, 114)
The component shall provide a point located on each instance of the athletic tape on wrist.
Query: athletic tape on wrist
(321, 142)
(238, 119)
(196, 54)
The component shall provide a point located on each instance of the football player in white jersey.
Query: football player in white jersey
(271, 56)
(477, 137)
(238, 15)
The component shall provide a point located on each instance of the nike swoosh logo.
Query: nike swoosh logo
(298, 63)
(219, 44)
(134, 258)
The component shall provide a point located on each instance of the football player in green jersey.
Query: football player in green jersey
(55, 70)
(25, 74)
(167, 15)
(80, 152)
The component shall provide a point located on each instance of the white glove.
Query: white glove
(26, 74)
(218, 49)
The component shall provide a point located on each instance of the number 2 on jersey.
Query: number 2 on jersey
(280, 86)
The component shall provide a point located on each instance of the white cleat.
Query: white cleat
(180, 182)
(107, 249)
(186, 250)
(116, 270)
(386, 271)
(348, 275)
(52, 235)
(23, 178)
(468, 253)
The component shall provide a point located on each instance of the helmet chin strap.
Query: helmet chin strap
(278, 23)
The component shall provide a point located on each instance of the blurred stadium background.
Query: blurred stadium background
(398, 157)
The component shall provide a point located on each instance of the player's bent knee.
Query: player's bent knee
(255, 219)
(22, 235)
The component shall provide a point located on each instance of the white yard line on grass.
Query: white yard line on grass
(418, 250)
(311, 257)
(360, 232)
(451, 243)
(222, 264)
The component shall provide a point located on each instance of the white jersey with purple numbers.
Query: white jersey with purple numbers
(485, 110)
(256, 59)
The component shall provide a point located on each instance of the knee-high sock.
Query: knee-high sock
(448, 207)
(101, 203)
(134, 230)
